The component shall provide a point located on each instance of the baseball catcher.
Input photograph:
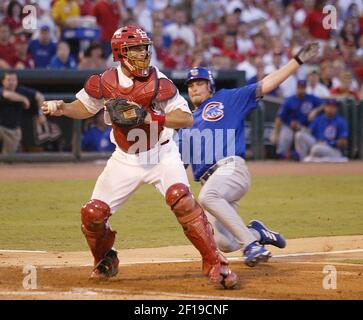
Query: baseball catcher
(142, 103)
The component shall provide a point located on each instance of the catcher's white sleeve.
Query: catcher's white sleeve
(93, 105)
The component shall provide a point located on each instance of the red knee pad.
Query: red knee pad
(182, 202)
(175, 192)
(95, 212)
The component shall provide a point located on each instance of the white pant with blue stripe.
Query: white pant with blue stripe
(220, 197)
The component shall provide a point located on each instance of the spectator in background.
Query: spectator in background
(229, 49)
(221, 62)
(64, 12)
(67, 16)
(300, 13)
(14, 17)
(293, 116)
(44, 18)
(314, 22)
(349, 34)
(24, 60)
(93, 58)
(209, 9)
(218, 35)
(252, 15)
(43, 48)
(86, 7)
(63, 58)
(259, 44)
(143, 14)
(97, 137)
(344, 90)
(178, 57)
(108, 16)
(199, 29)
(167, 16)
(232, 23)
(248, 65)
(314, 87)
(279, 25)
(7, 49)
(244, 42)
(326, 138)
(12, 102)
(161, 52)
(158, 30)
(326, 74)
(180, 28)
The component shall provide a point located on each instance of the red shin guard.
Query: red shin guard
(195, 224)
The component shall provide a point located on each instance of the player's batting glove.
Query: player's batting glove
(124, 113)
(307, 52)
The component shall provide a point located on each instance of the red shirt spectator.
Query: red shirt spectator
(14, 16)
(314, 23)
(86, 7)
(339, 91)
(229, 49)
(13, 24)
(178, 55)
(107, 14)
(7, 49)
(24, 60)
(344, 90)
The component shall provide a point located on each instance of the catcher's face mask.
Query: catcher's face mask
(132, 47)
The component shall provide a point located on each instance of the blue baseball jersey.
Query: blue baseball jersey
(96, 140)
(296, 109)
(218, 129)
(329, 129)
(56, 63)
(42, 53)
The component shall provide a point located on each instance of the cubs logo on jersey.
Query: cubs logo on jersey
(213, 111)
(330, 132)
(306, 107)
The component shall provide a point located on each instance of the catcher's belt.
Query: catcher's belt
(206, 175)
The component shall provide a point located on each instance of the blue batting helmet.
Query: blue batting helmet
(201, 73)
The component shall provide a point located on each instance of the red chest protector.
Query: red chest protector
(144, 91)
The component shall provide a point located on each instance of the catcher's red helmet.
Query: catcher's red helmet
(127, 37)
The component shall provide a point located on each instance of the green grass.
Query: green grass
(44, 215)
(351, 261)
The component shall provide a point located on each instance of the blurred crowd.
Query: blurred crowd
(257, 36)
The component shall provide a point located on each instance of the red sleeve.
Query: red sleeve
(93, 86)
(96, 12)
(307, 20)
(334, 90)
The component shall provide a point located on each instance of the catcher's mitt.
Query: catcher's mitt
(125, 113)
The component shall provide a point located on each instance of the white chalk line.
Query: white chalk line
(168, 294)
(96, 291)
(22, 251)
(289, 255)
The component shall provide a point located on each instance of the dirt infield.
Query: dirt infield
(296, 272)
